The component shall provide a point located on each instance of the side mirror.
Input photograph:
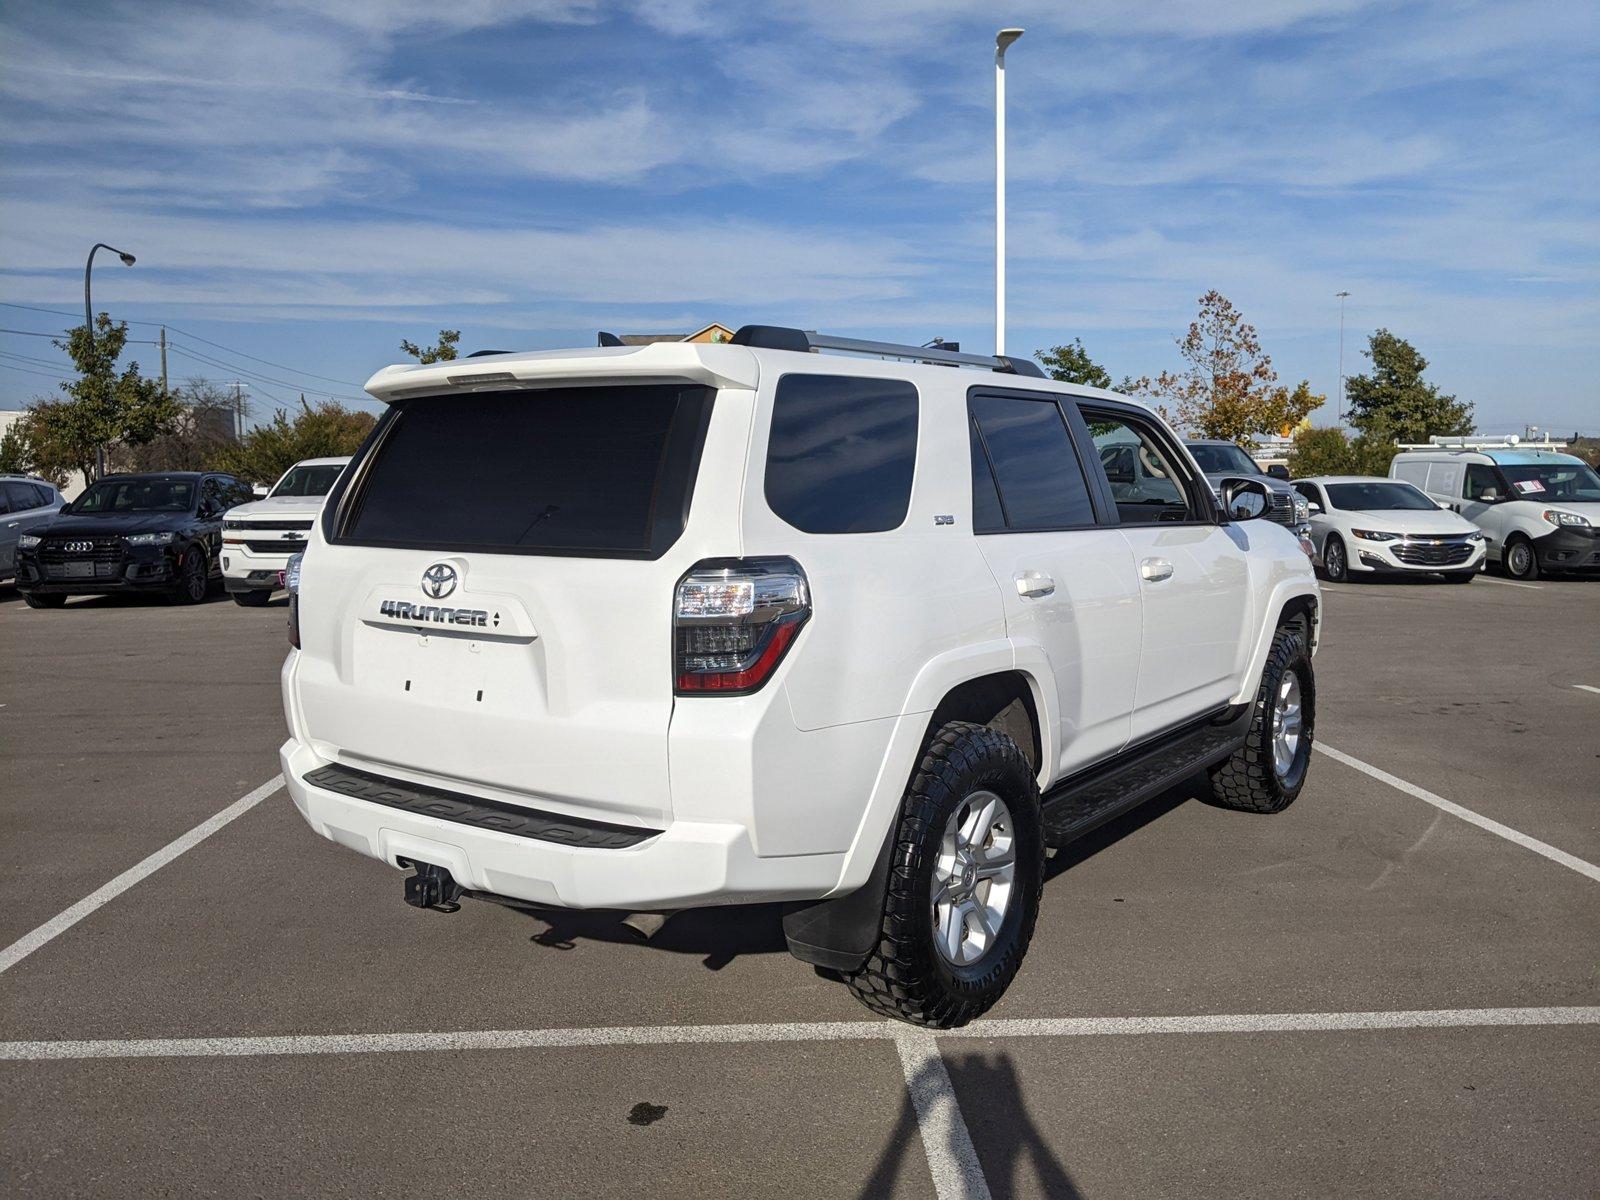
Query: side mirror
(1278, 471)
(1245, 499)
(1313, 506)
(259, 490)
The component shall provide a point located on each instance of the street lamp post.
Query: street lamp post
(1342, 297)
(88, 325)
(1002, 40)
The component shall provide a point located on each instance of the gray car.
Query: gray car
(25, 502)
(1222, 461)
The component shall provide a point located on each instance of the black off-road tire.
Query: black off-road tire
(254, 598)
(1341, 559)
(906, 977)
(44, 599)
(1248, 780)
(1519, 560)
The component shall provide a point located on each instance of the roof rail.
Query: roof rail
(1506, 442)
(779, 337)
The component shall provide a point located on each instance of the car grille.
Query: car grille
(1282, 510)
(284, 546)
(87, 549)
(1432, 552)
(256, 526)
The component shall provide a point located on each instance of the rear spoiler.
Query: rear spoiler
(718, 366)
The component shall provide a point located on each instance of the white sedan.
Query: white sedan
(1362, 525)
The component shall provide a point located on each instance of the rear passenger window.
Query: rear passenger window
(1030, 460)
(20, 496)
(842, 453)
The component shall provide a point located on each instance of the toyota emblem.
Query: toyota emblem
(439, 580)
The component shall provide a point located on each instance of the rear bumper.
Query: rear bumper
(690, 864)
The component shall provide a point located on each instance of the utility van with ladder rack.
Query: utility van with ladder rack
(855, 628)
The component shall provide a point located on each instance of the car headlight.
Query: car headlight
(1475, 537)
(236, 525)
(1556, 517)
(1373, 535)
(27, 542)
(151, 539)
(1302, 508)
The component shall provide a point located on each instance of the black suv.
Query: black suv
(131, 533)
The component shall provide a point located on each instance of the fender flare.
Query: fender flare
(1283, 594)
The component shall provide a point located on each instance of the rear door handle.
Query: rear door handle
(1154, 570)
(1033, 584)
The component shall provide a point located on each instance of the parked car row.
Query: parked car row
(1453, 512)
(172, 533)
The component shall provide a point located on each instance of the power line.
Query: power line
(31, 333)
(217, 345)
(254, 376)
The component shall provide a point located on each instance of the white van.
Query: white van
(1538, 508)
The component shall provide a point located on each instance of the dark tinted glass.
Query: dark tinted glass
(987, 515)
(137, 495)
(46, 497)
(565, 470)
(1041, 482)
(842, 453)
(308, 481)
(1379, 494)
(21, 496)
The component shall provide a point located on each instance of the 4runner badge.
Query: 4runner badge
(439, 580)
(431, 614)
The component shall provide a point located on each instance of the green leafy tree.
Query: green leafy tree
(103, 407)
(444, 350)
(1071, 364)
(16, 456)
(1228, 388)
(316, 431)
(1333, 452)
(1393, 403)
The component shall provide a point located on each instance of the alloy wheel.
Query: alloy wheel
(973, 878)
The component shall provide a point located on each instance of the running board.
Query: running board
(1092, 797)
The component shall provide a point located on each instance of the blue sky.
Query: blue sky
(309, 181)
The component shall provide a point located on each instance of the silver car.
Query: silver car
(25, 501)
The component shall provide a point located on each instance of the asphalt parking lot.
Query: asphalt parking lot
(1385, 991)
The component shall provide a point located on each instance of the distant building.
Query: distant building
(711, 333)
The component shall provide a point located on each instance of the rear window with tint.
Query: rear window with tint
(599, 470)
(1029, 452)
(842, 453)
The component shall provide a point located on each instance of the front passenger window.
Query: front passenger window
(1144, 479)
(1481, 484)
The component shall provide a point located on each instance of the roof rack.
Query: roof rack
(1506, 442)
(779, 337)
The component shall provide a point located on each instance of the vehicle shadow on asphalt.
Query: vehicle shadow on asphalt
(719, 935)
(716, 935)
(1007, 1139)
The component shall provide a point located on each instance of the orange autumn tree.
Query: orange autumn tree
(1228, 388)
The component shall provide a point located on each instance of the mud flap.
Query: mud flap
(839, 933)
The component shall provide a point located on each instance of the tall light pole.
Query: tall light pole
(1002, 40)
(88, 327)
(1342, 297)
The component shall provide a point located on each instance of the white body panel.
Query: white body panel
(567, 706)
(251, 557)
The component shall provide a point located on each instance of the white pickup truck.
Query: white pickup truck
(259, 538)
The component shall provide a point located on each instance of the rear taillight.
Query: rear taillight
(291, 580)
(733, 620)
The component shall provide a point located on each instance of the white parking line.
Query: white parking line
(1584, 687)
(817, 1031)
(1538, 587)
(1570, 861)
(59, 924)
(952, 1159)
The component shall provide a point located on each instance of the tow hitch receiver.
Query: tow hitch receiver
(433, 887)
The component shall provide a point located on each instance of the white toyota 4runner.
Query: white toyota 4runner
(681, 625)
(258, 539)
